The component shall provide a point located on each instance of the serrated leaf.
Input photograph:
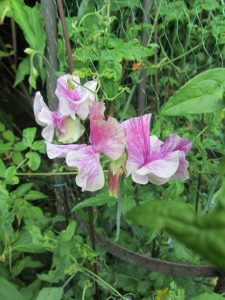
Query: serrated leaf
(34, 160)
(95, 201)
(202, 94)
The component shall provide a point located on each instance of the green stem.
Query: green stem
(101, 281)
(128, 103)
(22, 162)
(46, 174)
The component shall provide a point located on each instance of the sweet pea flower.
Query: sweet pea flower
(106, 137)
(74, 97)
(67, 130)
(150, 159)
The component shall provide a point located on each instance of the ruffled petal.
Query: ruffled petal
(88, 98)
(54, 151)
(90, 176)
(97, 110)
(107, 137)
(48, 133)
(68, 88)
(182, 172)
(140, 179)
(137, 142)
(174, 142)
(161, 170)
(42, 114)
(73, 130)
(67, 108)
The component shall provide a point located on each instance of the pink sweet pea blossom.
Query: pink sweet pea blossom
(74, 97)
(151, 160)
(66, 129)
(106, 137)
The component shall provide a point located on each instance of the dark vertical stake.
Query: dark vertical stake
(156, 76)
(49, 14)
(71, 66)
(14, 41)
(48, 10)
(143, 76)
(66, 37)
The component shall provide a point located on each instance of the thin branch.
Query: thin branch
(66, 36)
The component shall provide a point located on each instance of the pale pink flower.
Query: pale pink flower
(151, 160)
(56, 122)
(74, 97)
(106, 137)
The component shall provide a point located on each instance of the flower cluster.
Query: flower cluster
(148, 159)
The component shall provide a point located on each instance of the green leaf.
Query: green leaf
(2, 168)
(207, 296)
(10, 175)
(34, 160)
(8, 136)
(8, 290)
(4, 148)
(17, 158)
(23, 189)
(203, 234)
(39, 146)
(24, 263)
(2, 127)
(29, 135)
(95, 201)
(20, 146)
(52, 293)
(22, 71)
(202, 94)
(34, 195)
(30, 21)
(67, 234)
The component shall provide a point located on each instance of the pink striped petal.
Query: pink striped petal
(137, 142)
(174, 142)
(161, 170)
(42, 114)
(90, 176)
(68, 89)
(54, 151)
(88, 91)
(88, 98)
(44, 117)
(107, 137)
(182, 172)
(97, 110)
